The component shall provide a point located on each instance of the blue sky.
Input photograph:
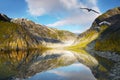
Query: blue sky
(60, 14)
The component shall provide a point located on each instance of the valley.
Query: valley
(28, 49)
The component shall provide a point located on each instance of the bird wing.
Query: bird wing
(95, 11)
(90, 10)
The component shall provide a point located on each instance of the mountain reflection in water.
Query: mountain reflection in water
(76, 71)
(52, 64)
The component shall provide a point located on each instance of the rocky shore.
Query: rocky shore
(114, 57)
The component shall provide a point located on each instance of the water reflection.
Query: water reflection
(75, 71)
(15, 63)
(102, 72)
(24, 64)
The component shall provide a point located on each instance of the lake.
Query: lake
(47, 65)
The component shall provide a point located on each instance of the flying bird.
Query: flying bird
(90, 10)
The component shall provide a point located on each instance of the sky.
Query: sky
(60, 14)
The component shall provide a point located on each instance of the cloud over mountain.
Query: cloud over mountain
(67, 10)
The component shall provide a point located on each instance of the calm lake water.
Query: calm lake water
(76, 71)
(48, 65)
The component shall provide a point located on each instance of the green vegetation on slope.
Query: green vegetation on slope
(7, 30)
(63, 35)
(109, 13)
(110, 44)
(87, 37)
(111, 38)
(106, 37)
(13, 37)
(22, 34)
(44, 32)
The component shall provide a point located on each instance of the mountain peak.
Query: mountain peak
(21, 33)
(109, 27)
(111, 16)
(4, 17)
(104, 32)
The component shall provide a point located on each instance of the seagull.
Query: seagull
(90, 10)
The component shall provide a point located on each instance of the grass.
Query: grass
(111, 43)
(6, 29)
(13, 36)
(85, 40)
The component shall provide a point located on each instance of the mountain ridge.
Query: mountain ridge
(105, 27)
(109, 40)
(22, 33)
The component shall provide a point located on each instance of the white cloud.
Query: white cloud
(69, 3)
(93, 1)
(69, 8)
(41, 7)
(77, 18)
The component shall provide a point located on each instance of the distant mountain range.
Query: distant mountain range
(23, 34)
(104, 34)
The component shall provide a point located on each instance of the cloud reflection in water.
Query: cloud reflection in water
(76, 71)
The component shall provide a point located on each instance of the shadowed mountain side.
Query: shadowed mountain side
(44, 31)
(23, 64)
(109, 40)
(103, 34)
(107, 44)
(47, 39)
(17, 34)
(3, 17)
(102, 40)
(113, 28)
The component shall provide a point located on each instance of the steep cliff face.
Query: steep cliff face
(24, 34)
(109, 39)
(104, 32)
(42, 31)
(13, 36)
(3, 17)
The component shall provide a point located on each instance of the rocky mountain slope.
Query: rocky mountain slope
(24, 34)
(104, 33)
(3, 17)
(102, 41)
(109, 39)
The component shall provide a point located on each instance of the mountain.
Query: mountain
(23, 34)
(102, 41)
(109, 39)
(104, 33)
(3, 17)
